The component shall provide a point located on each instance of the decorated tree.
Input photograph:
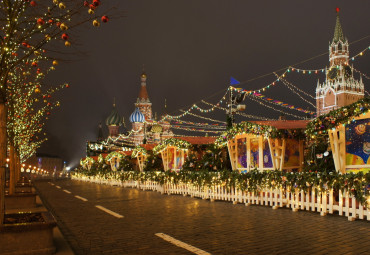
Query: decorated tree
(32, 33)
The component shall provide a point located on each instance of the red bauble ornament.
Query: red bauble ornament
(65, 37)
(92, 7)
(33, 3)
(40, 21)
(50, 21)
(104, 19)
(67, 85)
(86, 3)
(58, 24)
(34, 64)
(337, 9)
(96, 3)
(24, 44)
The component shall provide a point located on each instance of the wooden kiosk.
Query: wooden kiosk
(350, 144)
(173, 152)
(114, 158)
(140, 154)
(253, 146)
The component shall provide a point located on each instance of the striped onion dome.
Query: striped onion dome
(137, 116)
(114, 119)
(156, 128)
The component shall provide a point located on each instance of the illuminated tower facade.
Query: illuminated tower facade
(143, 102)
(340, 87)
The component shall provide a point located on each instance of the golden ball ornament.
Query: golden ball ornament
(37, 90)
(55, 63)
(90, 11)
(63, 26)
(67, 43)
(96, 23)
(56, 1)
(62, 5)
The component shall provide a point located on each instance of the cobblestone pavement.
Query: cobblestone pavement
(213, 227)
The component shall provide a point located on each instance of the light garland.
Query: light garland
(196, 130)
(137, 150)
(256, 99)
(341, 116)
(181, 144)
(238, 113)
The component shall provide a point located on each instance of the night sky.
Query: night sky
(190, 49)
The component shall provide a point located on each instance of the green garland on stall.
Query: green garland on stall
(114, 154)
(138, 149)
(181, 144)
(344, 115)
(357, 184)
(86, 161)
(257, 129)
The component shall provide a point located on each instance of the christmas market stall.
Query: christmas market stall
(174, 151)
(140, 153)
(265, 145)
(348, 131)
(114, 158)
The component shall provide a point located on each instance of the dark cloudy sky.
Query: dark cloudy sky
(190, 49)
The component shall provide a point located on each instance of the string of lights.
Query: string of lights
(205, 118)
(197, 130)
(198, 124)
(288, 85)
(256, 99)
(239, 113)
(361, 73)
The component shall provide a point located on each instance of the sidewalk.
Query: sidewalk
(61, 245)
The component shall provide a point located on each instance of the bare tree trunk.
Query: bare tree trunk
(3, 144)
(17, 167)
(12, 178)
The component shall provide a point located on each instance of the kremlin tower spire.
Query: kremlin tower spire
(340, 88)
(143, 102)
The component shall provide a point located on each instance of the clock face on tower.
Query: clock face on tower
(332, 74)
(347, 71)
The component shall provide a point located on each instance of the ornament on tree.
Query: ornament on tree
(90, 11)
(63, 26)
(96, 23)
(104, 19)
(62, 5)
(55, 63)
(65, 37)
(96, 3)
(40, 21)
(86, 3)
(33, 3)
(67, 43)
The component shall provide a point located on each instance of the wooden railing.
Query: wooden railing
(325, 202)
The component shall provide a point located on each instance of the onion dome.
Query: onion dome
(114, 119)
(156, 128)
(137, 116)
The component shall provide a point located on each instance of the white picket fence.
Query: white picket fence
(322, 202)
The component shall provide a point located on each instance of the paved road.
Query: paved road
(193, 224)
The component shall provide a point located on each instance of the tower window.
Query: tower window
(339, 46)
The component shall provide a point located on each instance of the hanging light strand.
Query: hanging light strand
(239, 113)
(256, 99)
